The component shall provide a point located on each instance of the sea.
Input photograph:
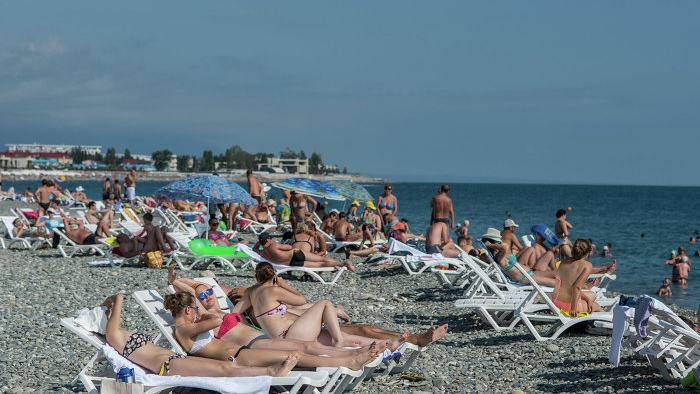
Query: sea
(642, 223)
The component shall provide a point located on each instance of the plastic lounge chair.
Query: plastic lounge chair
(558, 321)
(417, 262)
(280, 269)
(152, 303)
(31, 243)
(670, 345)
(338, 246)
(253, 226)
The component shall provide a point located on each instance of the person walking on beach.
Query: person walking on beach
(130, 184)
(442, 207)
(387, 203)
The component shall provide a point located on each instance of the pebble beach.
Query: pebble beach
(39, 287)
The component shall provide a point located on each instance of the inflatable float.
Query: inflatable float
(204, 246)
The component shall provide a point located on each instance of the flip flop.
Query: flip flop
(412, 377)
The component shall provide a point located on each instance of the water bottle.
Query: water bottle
(126, 375)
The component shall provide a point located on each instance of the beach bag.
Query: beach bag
(153, 259)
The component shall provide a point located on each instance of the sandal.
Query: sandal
(412, 377)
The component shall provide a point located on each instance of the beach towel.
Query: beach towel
(249, 385)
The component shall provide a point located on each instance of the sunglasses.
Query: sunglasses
(196, 308)
(205, 293)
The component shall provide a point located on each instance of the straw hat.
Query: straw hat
(370, 205)
(355, 202)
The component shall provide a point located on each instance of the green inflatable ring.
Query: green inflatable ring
(204, 246)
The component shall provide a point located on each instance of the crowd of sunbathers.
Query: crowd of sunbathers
(271, 329)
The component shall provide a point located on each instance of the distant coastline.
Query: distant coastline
(237, 176)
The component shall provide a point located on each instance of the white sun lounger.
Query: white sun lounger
(28, 243)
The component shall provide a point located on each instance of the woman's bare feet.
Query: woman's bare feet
(394, 343)
(171, 273)
(342, 314)
(433, 334)
(351, 267)
(286, 366)
(365, 356)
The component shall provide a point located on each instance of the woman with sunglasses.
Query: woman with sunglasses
(387, 203)
(200, 334)
(214, 235)
(140, 349)
(243, 334)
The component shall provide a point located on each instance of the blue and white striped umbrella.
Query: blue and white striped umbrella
(311, 187)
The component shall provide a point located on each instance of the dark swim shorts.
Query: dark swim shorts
(90, 240)
(298, 258)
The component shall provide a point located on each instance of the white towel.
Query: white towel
(252, 385)
(620, 315)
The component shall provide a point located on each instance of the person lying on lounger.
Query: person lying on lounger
(284, 254)
(76, 232)
(140, 349)
(201, 333)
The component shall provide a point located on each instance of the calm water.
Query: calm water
(668, 216)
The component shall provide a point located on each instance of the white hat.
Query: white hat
(509, 223)
(79, 189)
(51, 210)
(334, 211)
(492, 234)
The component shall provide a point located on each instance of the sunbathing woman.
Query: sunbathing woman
(571, 278)
(214, 235)
(140, 349)
(270, 298)
(195, 333)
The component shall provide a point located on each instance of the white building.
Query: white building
(36, 148)
(289, 166)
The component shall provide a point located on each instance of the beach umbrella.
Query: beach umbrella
(212, 189)
(352, 190)
(311, 187)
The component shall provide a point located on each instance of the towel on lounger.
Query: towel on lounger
(252, 385)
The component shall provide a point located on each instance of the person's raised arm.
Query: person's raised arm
(290, 294)
(243, 303)
(114, 314)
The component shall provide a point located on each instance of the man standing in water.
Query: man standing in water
(442, 207)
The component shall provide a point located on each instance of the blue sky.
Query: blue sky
(541, 91)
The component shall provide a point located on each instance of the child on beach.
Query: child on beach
(665, 289)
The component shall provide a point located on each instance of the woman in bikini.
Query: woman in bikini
(302, 238)
(300, 208)
(140, 349)
(214, 235)
(201, 334)
(387, 202)
(270, 298)
(571, 280)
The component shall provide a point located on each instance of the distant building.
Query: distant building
(37, 148)
(289, 166)
(25, 159)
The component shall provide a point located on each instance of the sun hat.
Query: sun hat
(370, 205)
(335, 211)
(674, 252)
(79, 189)
(399, 226)
(492, 234)
(355, 202)
(544, 232)
(51, 210)
(509, 223)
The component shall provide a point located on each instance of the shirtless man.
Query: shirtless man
(343, 230)
(254, 186)
(130, 184)
(42, 195)
(79, 195)
(117, 191)
(76, 232)
(561, 229)
(437, 240)
(442, 207)
(509, 238)
(284, 254)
